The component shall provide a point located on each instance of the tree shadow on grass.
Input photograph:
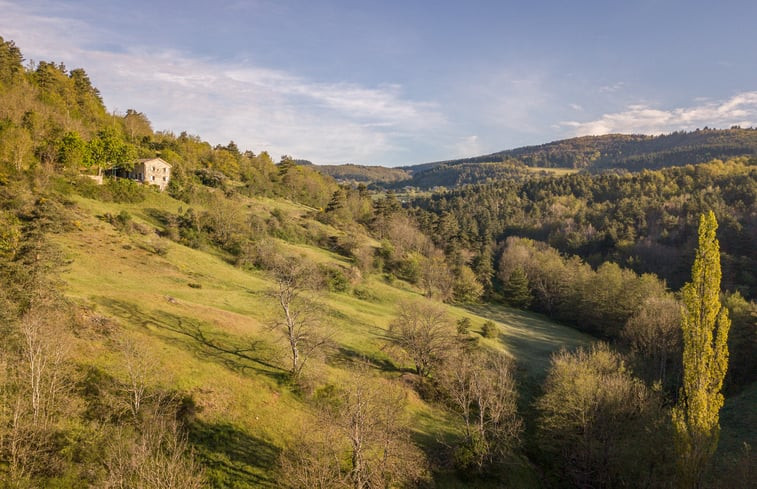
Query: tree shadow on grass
(345, 357)
(235, 353)
(532, 338)
(232, 457)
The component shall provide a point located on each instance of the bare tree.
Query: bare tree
(153, 455)
(314, 459)
(360, 440)
(33, 390)
(296, 281)
(140, 369)
(424, 332)
(480, 387)
(372, 417)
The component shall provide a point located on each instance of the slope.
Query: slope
(204, 322)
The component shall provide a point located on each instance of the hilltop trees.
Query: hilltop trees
(705, 325)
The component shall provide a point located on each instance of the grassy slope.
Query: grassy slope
(213, 341)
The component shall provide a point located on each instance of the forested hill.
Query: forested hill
(632, 152)
(364, 174)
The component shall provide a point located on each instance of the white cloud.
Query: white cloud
(468, 146)
(259, 108)
(741, 109)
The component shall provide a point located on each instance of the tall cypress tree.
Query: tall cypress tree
(705, 325)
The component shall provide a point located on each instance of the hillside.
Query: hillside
(628, 151)
(363, 174)
(205, 325)
(591, 153)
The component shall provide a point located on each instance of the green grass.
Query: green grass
(739, 421)
(212, 339)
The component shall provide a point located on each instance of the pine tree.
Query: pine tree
(516, 290)
(705, 327)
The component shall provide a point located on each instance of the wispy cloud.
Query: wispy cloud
(468, 146)
(741, 109)
(258, 107)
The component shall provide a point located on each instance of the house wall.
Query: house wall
(156, 173)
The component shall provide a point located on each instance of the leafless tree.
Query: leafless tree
(480, 387)
(299, 322)
(154, 454)
(424, 332)
(140, 369)
(359, 440)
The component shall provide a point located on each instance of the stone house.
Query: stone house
(153, 171)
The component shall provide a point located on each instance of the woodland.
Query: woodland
(262, 324)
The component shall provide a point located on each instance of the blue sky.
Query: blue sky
(403, 82)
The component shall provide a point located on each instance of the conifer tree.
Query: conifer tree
(705, 325)
(516, 290)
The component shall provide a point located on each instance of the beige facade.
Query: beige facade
(153, 171)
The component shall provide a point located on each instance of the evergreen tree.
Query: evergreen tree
(516, 290)
(705, 327)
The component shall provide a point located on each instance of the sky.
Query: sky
(404, 82)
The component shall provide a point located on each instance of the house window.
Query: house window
(164, 179)
(139, 175)
(152, 177)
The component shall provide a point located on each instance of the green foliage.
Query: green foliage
(742, 342)
(597, 301)
(516, 290)
(113, 190)
(705, 324)
(108, 150)
(601, 426)
(467, 289)
(644, 221)
(489, 329)
(335, 278)
(464, 325)
(10, 61)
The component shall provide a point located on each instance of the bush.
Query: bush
(463, 325)
(489, 329)
(335, 278)
(365, 294)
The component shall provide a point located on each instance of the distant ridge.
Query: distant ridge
(629, 151)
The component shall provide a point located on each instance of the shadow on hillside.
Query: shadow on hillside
(235, 353)
(531, 338)
(231, 456)
(345, 356)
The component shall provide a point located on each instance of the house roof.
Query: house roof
(160, 160)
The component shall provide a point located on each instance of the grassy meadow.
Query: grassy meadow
(205, 325)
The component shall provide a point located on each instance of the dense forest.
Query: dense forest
(259, 324)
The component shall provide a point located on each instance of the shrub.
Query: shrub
(365, 294)
(489, 329)
(463, 325)
(335, 278)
